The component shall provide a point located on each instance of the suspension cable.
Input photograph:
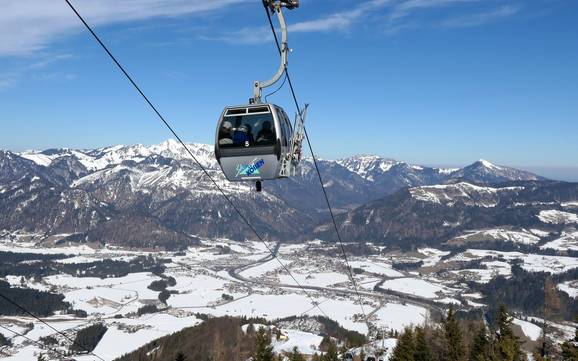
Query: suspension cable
(172, 130)
(318, 171)
(22, 308)
(277, 90)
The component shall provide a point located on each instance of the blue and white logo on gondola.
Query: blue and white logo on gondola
(250, 169)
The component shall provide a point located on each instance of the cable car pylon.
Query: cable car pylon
(257, 142)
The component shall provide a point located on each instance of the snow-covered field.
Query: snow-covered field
(570, 287)
(201, 287)
(532, 331)
(307, 342)
(498, 234)
(324, 279)
(432, 256)
(206, 284)
(262, 269)
(397, 317)
(567, 241)
(125, 335)
(30, 247)
(485, 275)
(530, 262)
(376, 267)
(557, 217)
(415, 287)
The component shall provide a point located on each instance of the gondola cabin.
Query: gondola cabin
(251, 142)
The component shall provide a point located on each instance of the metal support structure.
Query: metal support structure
(291, 161)
(277, 7)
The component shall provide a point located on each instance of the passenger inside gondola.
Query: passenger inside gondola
(250, 134)
(241, 136)
(265, 134)
(226, 133)
(243, 131)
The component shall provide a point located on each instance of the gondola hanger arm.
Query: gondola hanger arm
(277, 7)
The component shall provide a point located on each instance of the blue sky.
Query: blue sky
(435, 82)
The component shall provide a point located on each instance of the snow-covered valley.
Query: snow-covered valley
(228, 278)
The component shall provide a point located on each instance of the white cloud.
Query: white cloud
(409, 7)
(27, 26)
(393, 15)
(7, 80)
(339, 21)
(49, 59)
(56, 76)
(251, 36)
(481, 18)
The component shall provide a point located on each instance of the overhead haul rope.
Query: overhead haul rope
(318, 172)
(276, 90)
(171, 129)
(22, 308)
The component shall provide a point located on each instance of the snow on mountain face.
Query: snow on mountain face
(391, 175)
(368, 166)
(162, 187)
(388, 175)
(466, 193)
(483, 171)
(431, 215)
(497, 234)
(373, 168)
(102, 158)
(557, 217)
(488, 165)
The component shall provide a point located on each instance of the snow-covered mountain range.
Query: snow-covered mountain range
(148, 196)
(430, 215)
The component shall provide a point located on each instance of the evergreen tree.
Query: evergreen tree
(180, 357)
(422, 349)
(508, 345)
(4, 341)
(315, 357)
(342, 351)
(545, 347)
(263, 349)
(405, 348)
(331, 354)
(164, 296)
(480, 350)
(296, 355)
(88, 338)
(552, 303)
(570, 348)
(453, 340)
(569, 351)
